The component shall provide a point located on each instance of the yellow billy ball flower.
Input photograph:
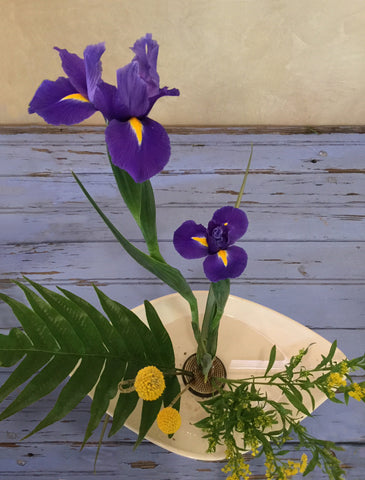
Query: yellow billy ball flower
(169, 420)
(149, 383)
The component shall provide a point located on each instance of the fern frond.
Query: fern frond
(63, 336)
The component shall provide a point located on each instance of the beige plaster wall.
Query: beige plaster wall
(236, 62)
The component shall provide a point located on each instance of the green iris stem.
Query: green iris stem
(239, 198)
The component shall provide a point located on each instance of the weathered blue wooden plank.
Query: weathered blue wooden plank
(64, 461)
(67, 222)
(294, 261)
(329, 311)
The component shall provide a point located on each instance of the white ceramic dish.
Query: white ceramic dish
(247, 333)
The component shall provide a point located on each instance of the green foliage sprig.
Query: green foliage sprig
(243, 417)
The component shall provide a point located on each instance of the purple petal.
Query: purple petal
(163, 92)
(106, 100)
(190, 240)
(93, 69)
(146, 51)
(230, 264)
(74, 67)
(235, 219)
(47, 102)
(142, 156)
(132, 90)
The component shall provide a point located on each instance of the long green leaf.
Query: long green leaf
(75, 390)
(83, 327)
(220, 291)
(126, 402)
(33, 325)
(162, 338)
(117, 314)
(171, 392)
(44, 383)
(169, 275)
(60, 328)
(13, 347)
(140, 201)
(106, 389)
(150, 411)
(271, 360)
(27, 368)
(112, 339)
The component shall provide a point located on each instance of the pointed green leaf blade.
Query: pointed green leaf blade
(169, 275)
(110, 336)
(45, 382)
(272, 358)
(77, 319)
(128, 323)
(75, 390)
(171, 392)
(162, 338)
(106, 389)
(33, 325)
(126, 402)
(56, 323)
(27, 368)
(149, 413)
(13, 347)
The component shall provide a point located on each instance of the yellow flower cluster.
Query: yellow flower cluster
(344, 368)
(287, 470)
(149, 383)
(336, 380)
(238, 467)
(169, 420)
(357, 392)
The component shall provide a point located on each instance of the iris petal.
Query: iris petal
(106, 100)
(74, 67)
(132, 90)
(189, 240)
(235, 220)
(142, 160)
(93, 68)
(219, 267)
(49, 102)
(146, 51)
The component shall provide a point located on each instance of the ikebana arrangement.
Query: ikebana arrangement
(122, 358)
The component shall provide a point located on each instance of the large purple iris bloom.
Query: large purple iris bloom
(136, 143)
(223, 259)
(67, 101)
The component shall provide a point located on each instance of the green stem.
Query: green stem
(239, 198)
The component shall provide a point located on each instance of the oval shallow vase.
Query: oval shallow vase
(246, 335)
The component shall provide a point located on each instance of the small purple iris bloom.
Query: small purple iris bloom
(67, 101)
(136, 143)
(223, 259)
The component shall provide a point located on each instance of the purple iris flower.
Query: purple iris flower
(136, 143)
(67, 101)
(223, 259)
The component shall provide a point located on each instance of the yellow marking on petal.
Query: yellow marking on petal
(225, 224)
(201, 240)
(75, 96)
(137, 127)
(222, 254)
